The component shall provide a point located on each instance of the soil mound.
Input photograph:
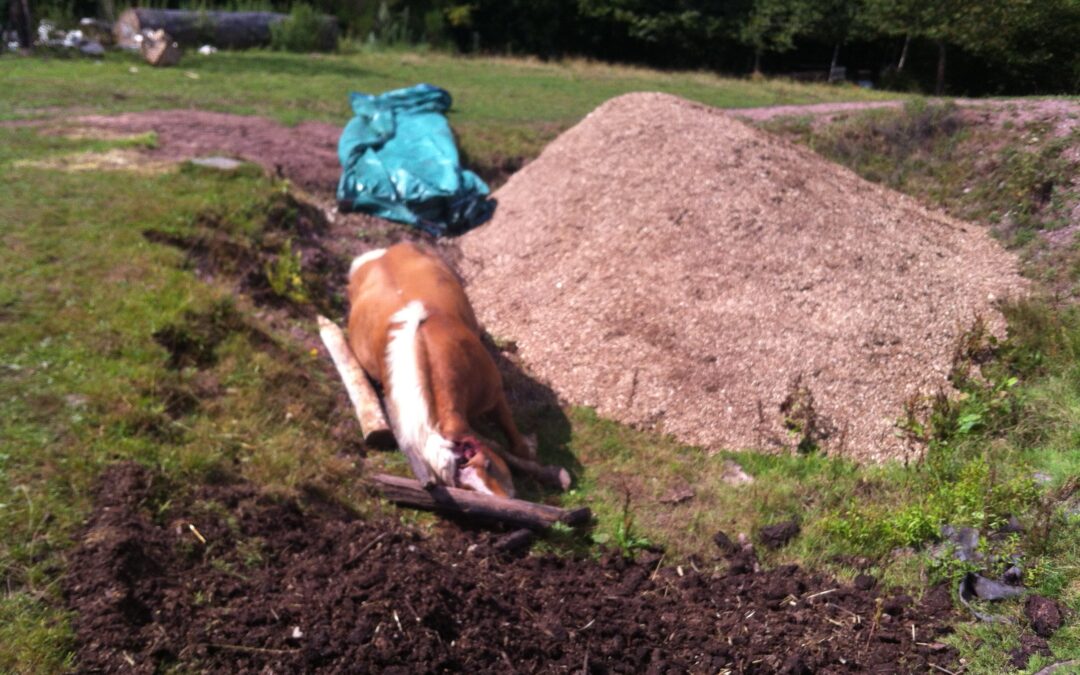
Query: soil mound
(265, 584)
(680, 270)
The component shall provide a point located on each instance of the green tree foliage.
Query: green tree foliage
(993, 46)
(773, 25)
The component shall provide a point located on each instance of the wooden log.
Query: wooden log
(365, 401)
(227, 30)
(160, 50)
(475, 504)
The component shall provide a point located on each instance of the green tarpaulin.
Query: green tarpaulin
(399, 161)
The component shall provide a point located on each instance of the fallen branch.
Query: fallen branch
(469, 503)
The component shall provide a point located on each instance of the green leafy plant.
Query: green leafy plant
(284, 275)
(626, 538)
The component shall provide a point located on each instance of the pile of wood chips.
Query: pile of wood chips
(682, 271)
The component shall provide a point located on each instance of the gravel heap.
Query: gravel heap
(682, 271)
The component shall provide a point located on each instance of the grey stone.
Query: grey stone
(221, 163)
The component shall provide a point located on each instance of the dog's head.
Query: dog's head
(482, 469)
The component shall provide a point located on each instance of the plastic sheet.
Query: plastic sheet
(399, 161)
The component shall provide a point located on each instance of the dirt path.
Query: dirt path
(279, 586)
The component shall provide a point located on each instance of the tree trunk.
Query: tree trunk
(757, 61)
(939, 88)
(22, 21)
(903, 54)
(228, 30)
(835, 58)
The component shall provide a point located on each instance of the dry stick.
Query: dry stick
(467, 502)
(364, 549)
(364, 399)
(258, 650)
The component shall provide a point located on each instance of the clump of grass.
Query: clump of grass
(284, 274)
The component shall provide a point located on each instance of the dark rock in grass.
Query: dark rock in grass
(724, 543)
(776, 536)
(1030, 645)
(1044, 615)
(865, 582)
(1014, 576)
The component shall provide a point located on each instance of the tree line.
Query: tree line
(939, 46)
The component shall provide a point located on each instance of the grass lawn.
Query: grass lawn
(88, 305)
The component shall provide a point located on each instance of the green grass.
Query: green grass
(503, 107)
(84, 382)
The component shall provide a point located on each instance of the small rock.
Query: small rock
(1014, 576)
(865, 582)
(1044, 615)
(220, 163)
(776, 536)
(734, 475)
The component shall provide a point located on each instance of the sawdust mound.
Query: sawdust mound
(682, 271)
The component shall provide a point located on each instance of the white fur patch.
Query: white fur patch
(410, 408)
(365, 258)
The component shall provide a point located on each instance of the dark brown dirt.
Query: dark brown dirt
(1044, 615)
(288, 586)
(1030, 645)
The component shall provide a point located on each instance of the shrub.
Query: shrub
(305, 30)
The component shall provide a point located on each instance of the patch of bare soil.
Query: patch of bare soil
(680, 270)
(230, 580)
(305, 154)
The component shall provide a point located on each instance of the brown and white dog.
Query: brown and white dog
(412, 329)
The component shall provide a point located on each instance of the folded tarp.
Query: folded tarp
(399, 161)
